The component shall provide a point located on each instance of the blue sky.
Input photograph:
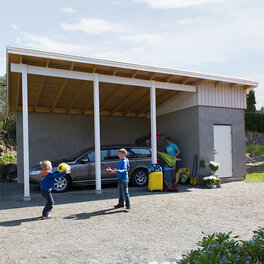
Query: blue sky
(222, 37)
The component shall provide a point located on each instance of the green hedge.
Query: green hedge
(221, 248)
(255, 122)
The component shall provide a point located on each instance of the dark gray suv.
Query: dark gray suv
(83, 167)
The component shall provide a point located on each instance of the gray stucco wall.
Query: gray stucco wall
(210, 116)
(54, 136)
(192, 130)
(183, 128)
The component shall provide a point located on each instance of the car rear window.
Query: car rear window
(114, 154)
(103, 152)
(141, 152)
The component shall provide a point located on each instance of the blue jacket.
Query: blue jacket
(48, 178)
(122, 169)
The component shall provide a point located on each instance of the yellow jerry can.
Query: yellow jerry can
(155, 181)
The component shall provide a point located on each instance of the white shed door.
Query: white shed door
(223, 150)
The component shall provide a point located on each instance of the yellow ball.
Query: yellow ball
(63, 167)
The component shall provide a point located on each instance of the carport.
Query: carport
(44, 82)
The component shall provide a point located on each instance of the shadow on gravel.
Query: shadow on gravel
(82, 216)
(20, 221)
(11, 195)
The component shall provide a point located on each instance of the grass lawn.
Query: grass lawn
(255, 177)
(255, 149)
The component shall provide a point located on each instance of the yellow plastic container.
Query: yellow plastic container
(155, 181)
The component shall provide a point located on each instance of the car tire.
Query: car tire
(62, 184)
(139, 177)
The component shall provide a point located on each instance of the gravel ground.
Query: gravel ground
(159, 228)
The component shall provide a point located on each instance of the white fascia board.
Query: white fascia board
(36, 70)
(130, 66)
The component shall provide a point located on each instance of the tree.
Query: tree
(262, 109)
(7, 120)
(251, 102)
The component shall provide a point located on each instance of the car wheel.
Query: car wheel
(62, 184)
(140, 177)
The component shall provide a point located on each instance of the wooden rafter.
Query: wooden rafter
(185, 81)
(81, 88)
(134, 73)
(59, 94)
(139, 102)
(19, 75)
(88, 105)
(115, 72)
(72, 66)
(201, 81)
(232, 85)
(41, 86)
(110, 99)
(170, 78)
(152, 76)
(216, 84)
(94, 69)
(126, 100)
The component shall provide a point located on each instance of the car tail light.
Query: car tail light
(157, 161)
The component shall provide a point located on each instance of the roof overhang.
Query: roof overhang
(62, 83)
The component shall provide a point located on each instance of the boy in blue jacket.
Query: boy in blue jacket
(47, 184)
(122, 175)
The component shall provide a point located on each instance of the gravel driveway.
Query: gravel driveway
(159, 228)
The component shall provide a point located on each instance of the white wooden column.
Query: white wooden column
(97, 134)
(153, 122)
(25, 133)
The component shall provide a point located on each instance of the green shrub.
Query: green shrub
(255, 149)
(255, 121)
(222, 248)
(8, 158)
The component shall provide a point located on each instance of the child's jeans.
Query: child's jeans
(123, 192)
(50, 202)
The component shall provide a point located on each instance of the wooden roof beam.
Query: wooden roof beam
(139, 102)
(185, 81)
(125, 101)
(110, 99)
(94, 69)
(232, 85)
(59, 94)
(83, 85)
(152, 76)
(216, 84)
(170, 78)
(201, 81)
(18, 84)
(134, 73)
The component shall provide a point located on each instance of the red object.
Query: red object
(157, 161)
(156, 137)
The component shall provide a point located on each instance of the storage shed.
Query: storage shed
(65, 103)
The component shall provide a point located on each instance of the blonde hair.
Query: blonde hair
(44, 164)
(122, 150)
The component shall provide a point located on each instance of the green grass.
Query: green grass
(255, 177)
(255, 149)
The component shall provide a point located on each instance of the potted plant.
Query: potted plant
(214, 166)
(212, 181)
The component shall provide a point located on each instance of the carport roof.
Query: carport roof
(49, 93)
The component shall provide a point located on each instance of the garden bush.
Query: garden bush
(221, 248)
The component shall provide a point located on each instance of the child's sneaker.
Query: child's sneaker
(119, 205)
(128, 208)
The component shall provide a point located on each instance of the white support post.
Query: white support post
(153, 122)
(25, 133)
(97, 134)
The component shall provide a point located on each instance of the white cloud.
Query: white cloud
(91, 26)
(148, 38)
(45, 43)
(14, 26)
(166, 4)
(67, 10)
